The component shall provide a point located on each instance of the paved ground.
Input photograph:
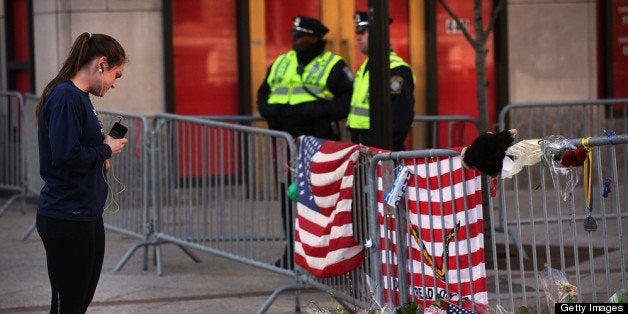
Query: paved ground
(215, 285)
(220, 285)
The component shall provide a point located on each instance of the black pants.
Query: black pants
(74, 252)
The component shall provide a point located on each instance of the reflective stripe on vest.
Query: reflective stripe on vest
(287, 85)
(359, 116)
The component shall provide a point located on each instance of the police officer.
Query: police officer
(307, 89)
(401, 89)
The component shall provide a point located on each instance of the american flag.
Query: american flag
(444, 229)
(324, 242)
(454, 309)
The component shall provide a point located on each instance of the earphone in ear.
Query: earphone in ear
(102, 68)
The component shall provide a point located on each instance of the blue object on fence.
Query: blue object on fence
(607, 187)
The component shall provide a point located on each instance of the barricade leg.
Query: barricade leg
(130, 252)
(157, 251)
(8, 203)
(189, 253)
(28, 231)
(280, 290)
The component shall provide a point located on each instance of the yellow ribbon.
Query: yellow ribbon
(587, 173)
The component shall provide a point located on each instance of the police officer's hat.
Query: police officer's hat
(304, 25)
(362, 21)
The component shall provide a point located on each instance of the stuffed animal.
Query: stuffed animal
(487, 152)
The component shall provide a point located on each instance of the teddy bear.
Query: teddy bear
(487, 152)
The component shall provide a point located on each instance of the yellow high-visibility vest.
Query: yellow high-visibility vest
(359, 116)
(287, 85)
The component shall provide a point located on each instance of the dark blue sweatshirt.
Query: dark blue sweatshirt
(71, 156)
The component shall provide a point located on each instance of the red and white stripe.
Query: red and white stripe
(440, 194)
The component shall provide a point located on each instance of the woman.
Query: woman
(74, 154)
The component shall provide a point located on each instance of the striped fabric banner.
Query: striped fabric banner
(444, 229)
(324, 241)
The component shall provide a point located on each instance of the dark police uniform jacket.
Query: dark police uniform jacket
(306, 114)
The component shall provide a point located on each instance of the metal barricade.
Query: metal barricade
(571, 119)
(550, 230)
(430, 131)
(11, 158)
(259, 121)
(427, 131)
(220, 188)
(546, 222)
(355, 289)
(127, 209)
(443, 131)
(30, 148)
(239, 119)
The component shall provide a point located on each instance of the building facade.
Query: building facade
(207, 57)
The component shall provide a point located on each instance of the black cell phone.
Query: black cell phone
(118, 130)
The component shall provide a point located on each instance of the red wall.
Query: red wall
(279, 15)
(205, 57)
(398, 29)
(206, 82)
(21, 45)
(620, 49)
(456, 73)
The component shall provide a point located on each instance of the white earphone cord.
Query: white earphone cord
(112, 196)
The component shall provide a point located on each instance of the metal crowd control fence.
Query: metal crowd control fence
(250, 120)
(127, 209)
(427, 132)
(569, 119)
(34, 183)
(30, 148)
(444, 131)
(241, 119)
(220, 188)
(11, 156)
(354, 289)
(551, 230)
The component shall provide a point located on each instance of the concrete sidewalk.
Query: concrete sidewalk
(215, 285)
